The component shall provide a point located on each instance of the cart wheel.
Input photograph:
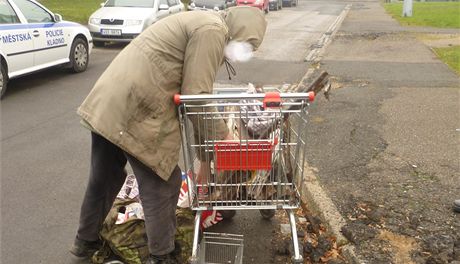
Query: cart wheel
(228, 214)
(267, 213)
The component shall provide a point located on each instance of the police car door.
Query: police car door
(16, 41)
(50, 40)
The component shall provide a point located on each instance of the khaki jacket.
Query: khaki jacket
(132, 105)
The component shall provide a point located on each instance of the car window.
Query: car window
(7, 14)
(130, 3)
(164, 2)
(33, 12)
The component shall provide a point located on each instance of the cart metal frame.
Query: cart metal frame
(279, 156)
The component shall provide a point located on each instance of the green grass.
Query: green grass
(451, 56)
(431, 14)
(73, 10)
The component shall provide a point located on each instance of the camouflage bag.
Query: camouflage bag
(128, 241)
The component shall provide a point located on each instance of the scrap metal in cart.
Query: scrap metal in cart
(262, 168)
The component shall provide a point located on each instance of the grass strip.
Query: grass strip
(430, 14)
(73, 10)
(451, 56)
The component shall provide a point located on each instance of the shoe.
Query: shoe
(171, 258)
(85, 249)
(456, 207)
(163, 259)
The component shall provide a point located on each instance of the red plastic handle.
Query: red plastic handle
(177, 99)
(311, 96)
(272, 99)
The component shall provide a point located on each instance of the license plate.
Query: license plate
(111, 32)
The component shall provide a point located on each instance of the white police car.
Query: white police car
(32, 38)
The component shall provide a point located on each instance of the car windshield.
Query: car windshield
(129, 3)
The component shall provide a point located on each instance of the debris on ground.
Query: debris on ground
(316, 245)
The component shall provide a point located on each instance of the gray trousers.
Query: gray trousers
(106, 177)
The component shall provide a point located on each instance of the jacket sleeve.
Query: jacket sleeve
(203, 57)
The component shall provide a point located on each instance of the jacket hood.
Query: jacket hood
(246, 23)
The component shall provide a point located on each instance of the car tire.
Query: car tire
(267, 10)
(98, 43)
(3, 79)
(79, 55)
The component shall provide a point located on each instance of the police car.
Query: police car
(32, 38)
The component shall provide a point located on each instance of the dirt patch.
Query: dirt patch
(440, 40)
(402, 246)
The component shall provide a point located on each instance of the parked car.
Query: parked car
(290, 3)
(275, 4)
(212, 4)
(123, 20)
(261, 4)
(32, 38)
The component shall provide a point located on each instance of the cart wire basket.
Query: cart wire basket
(221, 248)
(261, 168)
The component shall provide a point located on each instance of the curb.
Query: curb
(317, 200)
(312, 194)
(315, 55)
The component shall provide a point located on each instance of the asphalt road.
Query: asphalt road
(45, 150)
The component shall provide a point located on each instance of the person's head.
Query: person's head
(246, 26)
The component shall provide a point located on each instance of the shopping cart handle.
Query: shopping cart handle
(270, 99)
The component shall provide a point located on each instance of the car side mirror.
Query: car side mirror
(57, 18)
(163, 7)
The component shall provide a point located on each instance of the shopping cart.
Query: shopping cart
(262, 168)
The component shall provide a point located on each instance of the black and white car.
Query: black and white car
(33, 38)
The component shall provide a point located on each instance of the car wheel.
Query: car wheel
(266, 9)
(98, 43)
(3, 80)
(79, 55)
